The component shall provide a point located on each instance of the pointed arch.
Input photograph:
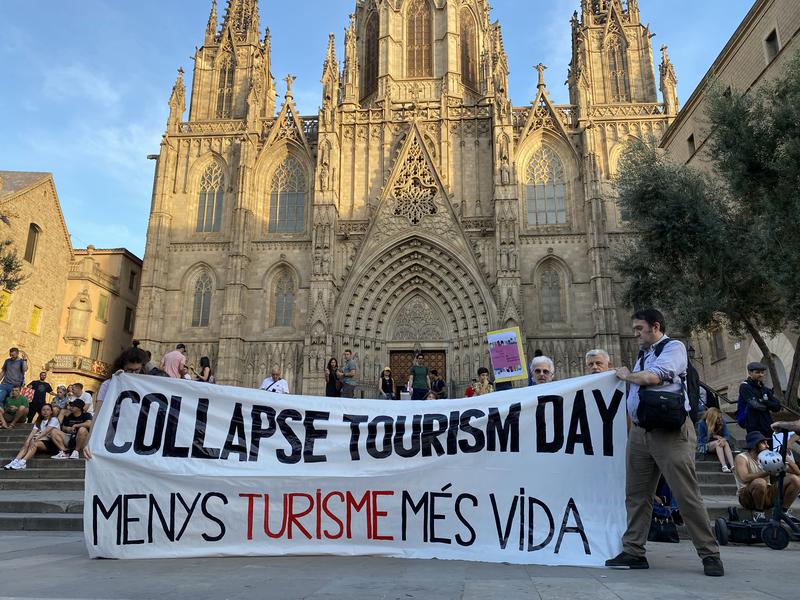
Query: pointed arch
(201, 306)
(225, 82)
(617, 64)
(199, 284)
(469, 48)
(552, 280)
(288, 191)
(284, 300)
(369, 76)
(210, 195)
(282, 283)
(415, 265)
(419, 39)
(545, 188)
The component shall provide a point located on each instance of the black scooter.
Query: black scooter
(776, 533)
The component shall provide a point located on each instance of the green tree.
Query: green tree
(723, 250)
(11, 275)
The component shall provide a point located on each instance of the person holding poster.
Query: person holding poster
(507, 355)
(659, 444)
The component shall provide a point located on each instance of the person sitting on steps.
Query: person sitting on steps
(39, 439)
(713, 436)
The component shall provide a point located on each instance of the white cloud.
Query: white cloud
(79, 82)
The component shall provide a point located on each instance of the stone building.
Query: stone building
(75, 310)
(97, 316)
(29, 316)
(417, 210)
(758, 51)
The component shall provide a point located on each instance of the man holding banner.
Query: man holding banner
(660, 444)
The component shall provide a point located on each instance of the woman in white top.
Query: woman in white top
(36, 440)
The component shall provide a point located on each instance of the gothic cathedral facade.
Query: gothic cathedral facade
(417, 210)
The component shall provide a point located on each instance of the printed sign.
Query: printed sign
(187, 469)
(507, 355)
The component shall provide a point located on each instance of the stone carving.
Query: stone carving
(417, 321)
(415, 187)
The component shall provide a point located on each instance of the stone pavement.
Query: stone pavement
(56, 566)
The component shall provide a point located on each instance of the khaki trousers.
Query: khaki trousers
(670, 453)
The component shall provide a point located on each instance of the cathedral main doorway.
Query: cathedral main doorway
(400, 362)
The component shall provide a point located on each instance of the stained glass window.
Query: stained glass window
(209, 203)
(546, 189)
(284, 301)
(420, 45)
(201, 311)
(550, 282)
(287, 211)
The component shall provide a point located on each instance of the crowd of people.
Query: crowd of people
(660, 453)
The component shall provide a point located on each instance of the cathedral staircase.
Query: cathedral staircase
(47, 496)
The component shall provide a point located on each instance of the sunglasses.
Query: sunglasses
(542, 371)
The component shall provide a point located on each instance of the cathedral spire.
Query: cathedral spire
(211, 28)
(177, 103)
(350, 71)
(241, 16)
(669, 84)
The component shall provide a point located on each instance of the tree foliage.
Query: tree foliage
(11, 275)
(723, 250)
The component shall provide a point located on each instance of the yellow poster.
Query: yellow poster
(507, 355)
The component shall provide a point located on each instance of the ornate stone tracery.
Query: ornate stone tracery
(417, 321)
(415, 188)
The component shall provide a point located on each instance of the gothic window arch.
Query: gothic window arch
(371, 55)
(201, 306)
(546, 189)
(469, 48)
(225, 82)
(419, 49)
(32, 242)
(552, 294)
(287, 209)
(284, 298)
(209, 199)
(617, 67)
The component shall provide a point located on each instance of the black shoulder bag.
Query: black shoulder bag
(657, 409)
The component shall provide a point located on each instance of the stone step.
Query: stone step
(40, 506)
(5, 444)
(718, 490)
(43, 473)
(40, 522)
(18, 435)
(717, 478)
(41, 484)
(44, 461)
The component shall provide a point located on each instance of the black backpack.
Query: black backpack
(690, 379)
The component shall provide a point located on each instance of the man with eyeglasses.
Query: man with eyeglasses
(543, 370)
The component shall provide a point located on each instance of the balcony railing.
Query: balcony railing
(73, 363)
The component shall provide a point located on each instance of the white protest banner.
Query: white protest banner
(183, 469)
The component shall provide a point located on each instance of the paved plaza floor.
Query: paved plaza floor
(56, 566)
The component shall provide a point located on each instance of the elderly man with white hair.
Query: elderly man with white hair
(597, 361)
(543, 369)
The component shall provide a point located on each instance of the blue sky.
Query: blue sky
(86, 82)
